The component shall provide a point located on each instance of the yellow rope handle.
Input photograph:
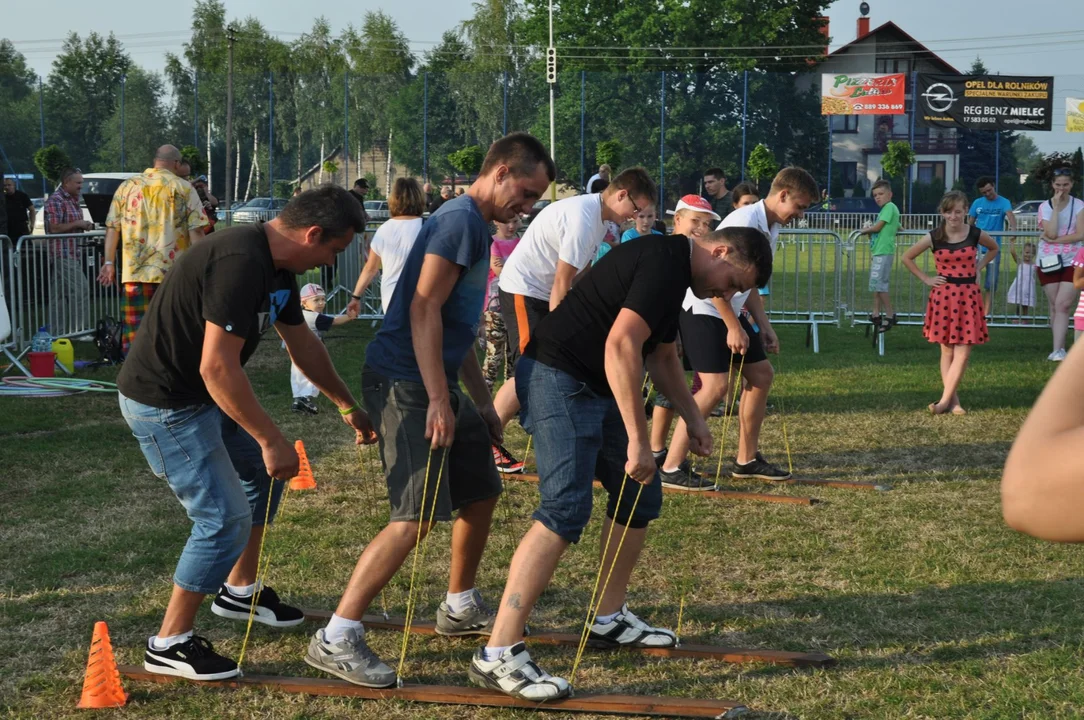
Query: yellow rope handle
(592, 612)
(418, 544)
(259, 560)
(527, 453)
(681, 612)
(728, 413)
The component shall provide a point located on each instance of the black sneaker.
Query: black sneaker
(505, 461)
(660, 457)
(194, 659)
(269, 609)
(685, 478)
(761, 469)
(305, 405)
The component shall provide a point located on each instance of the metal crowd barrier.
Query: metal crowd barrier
(909, 295)
(805, 287)
(54, 285)
(9, 345)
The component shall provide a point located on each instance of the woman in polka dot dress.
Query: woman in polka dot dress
(954, 314)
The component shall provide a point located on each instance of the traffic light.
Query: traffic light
(551, 65)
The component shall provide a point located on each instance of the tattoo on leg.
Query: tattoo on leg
(513, 602)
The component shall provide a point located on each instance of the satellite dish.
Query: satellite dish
(864, 9)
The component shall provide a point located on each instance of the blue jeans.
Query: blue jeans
(993, 270)
(216, 469)
(578, 436)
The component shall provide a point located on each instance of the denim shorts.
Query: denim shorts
(398, 408)
(216, 469)
(578, 436)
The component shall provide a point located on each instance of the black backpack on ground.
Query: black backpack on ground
(107, 338)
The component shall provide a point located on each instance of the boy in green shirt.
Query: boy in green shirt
(883, 251)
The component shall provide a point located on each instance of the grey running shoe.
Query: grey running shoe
(515, 674)
(350, 659)
(476, 619)
(685, 478)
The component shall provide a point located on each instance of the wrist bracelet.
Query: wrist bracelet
(352, 409)
(107, 262)
(355, 297)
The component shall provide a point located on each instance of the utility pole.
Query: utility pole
(230, 37)
(551, 78)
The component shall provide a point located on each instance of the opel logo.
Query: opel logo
(939, 97)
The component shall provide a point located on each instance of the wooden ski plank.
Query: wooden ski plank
(717, 494)
(838, 484)
(696, 652)
(453, 695)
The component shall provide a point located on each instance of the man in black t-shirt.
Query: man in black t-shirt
(20, 210)
(579, 384)
(185, 395)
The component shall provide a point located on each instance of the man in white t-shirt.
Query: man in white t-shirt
(557, 248)
(714, 331)
(602, 174)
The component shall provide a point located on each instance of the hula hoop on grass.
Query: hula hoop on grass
(51, 387)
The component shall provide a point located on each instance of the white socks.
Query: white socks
(458, 602)
(604, 619)
(167, 642)
(337, 626)
(490, 654)
(241, 590)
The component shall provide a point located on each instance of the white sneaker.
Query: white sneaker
(1058, 355)
(630, 631)
(515, 674)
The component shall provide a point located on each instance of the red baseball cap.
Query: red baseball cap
(696, 204)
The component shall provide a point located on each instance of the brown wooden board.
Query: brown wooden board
(717, 494)
(838, 484)
(453, 695)
(696, 652)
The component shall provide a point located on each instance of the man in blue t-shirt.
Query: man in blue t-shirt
(435, 444)
(991, 212)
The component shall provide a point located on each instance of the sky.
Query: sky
(1043, 37)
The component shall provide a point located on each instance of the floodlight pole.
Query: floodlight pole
(551, 77)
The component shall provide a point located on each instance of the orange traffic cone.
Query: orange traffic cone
(304, 479)
(101, 686)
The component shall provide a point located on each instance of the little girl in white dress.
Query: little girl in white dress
(1022, 290)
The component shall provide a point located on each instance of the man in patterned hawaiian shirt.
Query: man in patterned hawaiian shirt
(156, 215)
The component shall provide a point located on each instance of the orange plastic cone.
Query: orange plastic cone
(304, 479)
(101, 686)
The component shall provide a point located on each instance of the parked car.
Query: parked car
(1028, 207)
(377, 209)
(847, 205)
(259, 209)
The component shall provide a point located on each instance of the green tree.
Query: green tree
(192, 154)
(1026, 153)
(468, 160)
(144, 124)
(50, 161)
(897, 158)
(762, 164)
(82, 92)
(609, 152)
(18, 98)
(380, 65)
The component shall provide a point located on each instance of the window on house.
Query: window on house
(893, 65)
(930, 171)
(849, 174)
(845, 123)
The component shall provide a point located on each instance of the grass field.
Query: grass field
(932, 606)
